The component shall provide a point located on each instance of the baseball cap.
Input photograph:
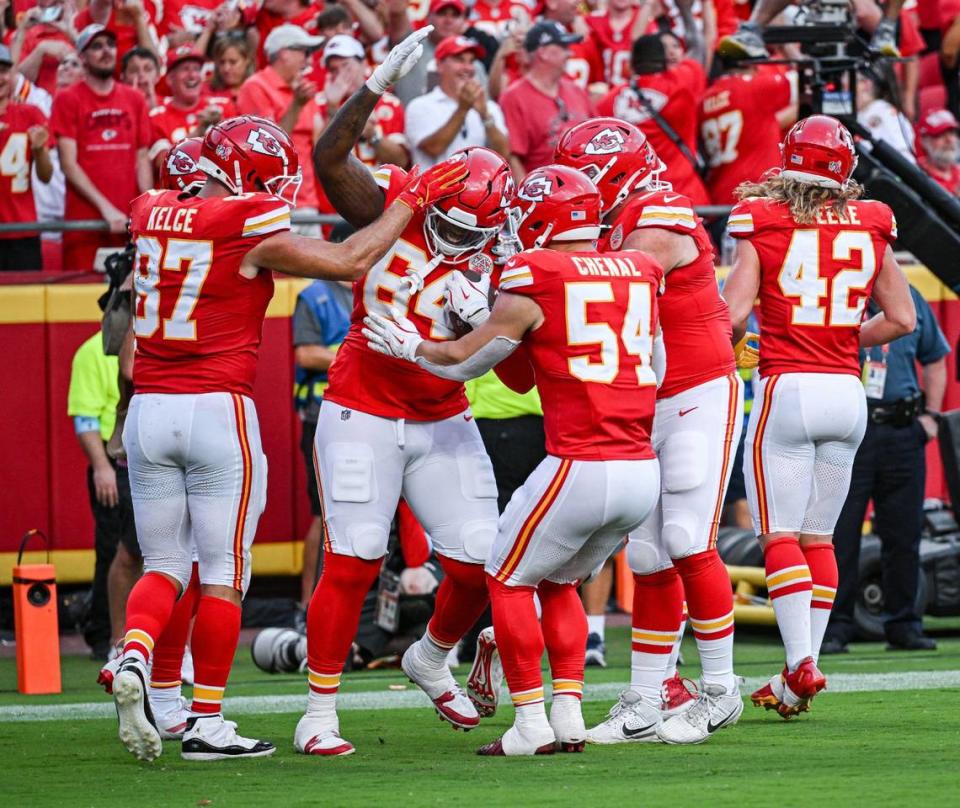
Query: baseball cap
(343, 45)
(548, 32)
(5, 57)
(453, 45)
(439, 5)
(91, 32)
(936, 122)
(182, 54)
(290, 36)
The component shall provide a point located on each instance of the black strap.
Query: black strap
(694, 159)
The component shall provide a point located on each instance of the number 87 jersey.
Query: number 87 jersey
(815, 280)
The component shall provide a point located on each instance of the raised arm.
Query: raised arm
(348, 183)
(898, 315)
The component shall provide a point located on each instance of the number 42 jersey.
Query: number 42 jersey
(592, 355)
(198, 321)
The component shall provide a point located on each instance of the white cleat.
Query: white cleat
(486, 675)
(566, 721)
(715, 709)
(320, 736)
(677, 695)
(210, 737)
(171, 720)
(137, 731)
(517, 742)
(451, 702)
(631, 720)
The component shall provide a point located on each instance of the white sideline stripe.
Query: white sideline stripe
(410, 699)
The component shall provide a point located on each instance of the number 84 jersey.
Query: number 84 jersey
(815, 280)
(198, 321)
(592, 355)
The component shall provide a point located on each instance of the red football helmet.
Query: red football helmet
(557, 203)
(460, 226)
(614, 154)
(818, 150)
(249, 154)
(179, 170)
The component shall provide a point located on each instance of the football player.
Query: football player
(589, 322)
(197, 470)
(814, 254)
(697, 427)
(388, 429)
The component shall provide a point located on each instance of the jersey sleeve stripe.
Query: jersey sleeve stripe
(658, 216)
(516, 281)
(741, 223)
(267, 223)
(382, 178)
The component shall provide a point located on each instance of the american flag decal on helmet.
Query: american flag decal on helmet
(578, 216)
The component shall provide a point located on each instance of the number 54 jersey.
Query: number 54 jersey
(815, 280)
(592, 355)
(198, 321)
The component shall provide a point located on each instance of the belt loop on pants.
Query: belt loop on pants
(401, 439)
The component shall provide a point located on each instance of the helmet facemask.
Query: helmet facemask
(453, 238)
(280, 186)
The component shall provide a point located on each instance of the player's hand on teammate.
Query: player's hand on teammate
(446, 178)
(747, 356)
(105, 485)
(394, 336)
(399, 61)
(468, 299)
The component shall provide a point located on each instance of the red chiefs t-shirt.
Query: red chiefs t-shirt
(47, 74)
(815, 280)
(592, 354)
(948, 180)
(497, 19)
(169, 124)
(739, 130)
(696, 324)
(198, 321)
(16, 161)
(108, 129)
(675, 94)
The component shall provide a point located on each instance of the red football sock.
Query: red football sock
(333, 616)
(657, 615)
(822, 561)
(149, 607)
(215, 636)
(789, 588)
(564, 625)
(168, 652)
(710, 603)
(461, 598)
(519, 640)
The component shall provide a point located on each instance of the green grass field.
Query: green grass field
(889, 733)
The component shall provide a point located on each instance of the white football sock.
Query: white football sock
(596, 624)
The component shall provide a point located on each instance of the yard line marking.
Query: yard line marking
(415, 699)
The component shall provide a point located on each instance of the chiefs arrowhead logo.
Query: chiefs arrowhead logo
(180, 164)
(535, 189)
(263, 142)
(607, 141)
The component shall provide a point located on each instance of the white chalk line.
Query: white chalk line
(414, 699)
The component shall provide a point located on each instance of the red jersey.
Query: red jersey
(814, 281)
(613, 46)
(109, 130)
(497, 20)
(739, 130)
(169, 124)
(675, 95)
(592, 354)
(16, 162)
(695, 320)
(365, 380)
(186, 15)
(198, 321)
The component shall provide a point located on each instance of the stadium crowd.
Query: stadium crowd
(93, 95)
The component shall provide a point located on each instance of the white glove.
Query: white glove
(399, 62)
(396, 337)
(469, 300)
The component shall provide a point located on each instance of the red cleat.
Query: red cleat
(486, 675)
(495, 749)
(799, 688)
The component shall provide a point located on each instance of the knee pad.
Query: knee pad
(644, 554)
(368, 540)
(477, 539)
(351, 472)
(476, 473)
(680, 531)
(683, 459)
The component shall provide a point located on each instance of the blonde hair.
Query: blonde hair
(804, 198)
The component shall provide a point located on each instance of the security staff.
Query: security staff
(890, 469)
(321, 320)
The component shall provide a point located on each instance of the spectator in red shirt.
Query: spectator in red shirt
(613, 30)
(665, 104)
(187, 112)
(232, 65)
(141, 70)
(280, 92)
(44, 36)
(103, 133)
(127, 20)
(544, 103)
(23, 145)
(274, 13)
(938, 131)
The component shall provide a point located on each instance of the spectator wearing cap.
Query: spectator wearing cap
(456, 113)
(545, 102)
(448, 18)
(939, 131)
(140, 68)
(43, 37)
(103, 133)
(128, 21)
(188, 112)
(275, 13)
(23, 143)
(383, 139)
(282, 93)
